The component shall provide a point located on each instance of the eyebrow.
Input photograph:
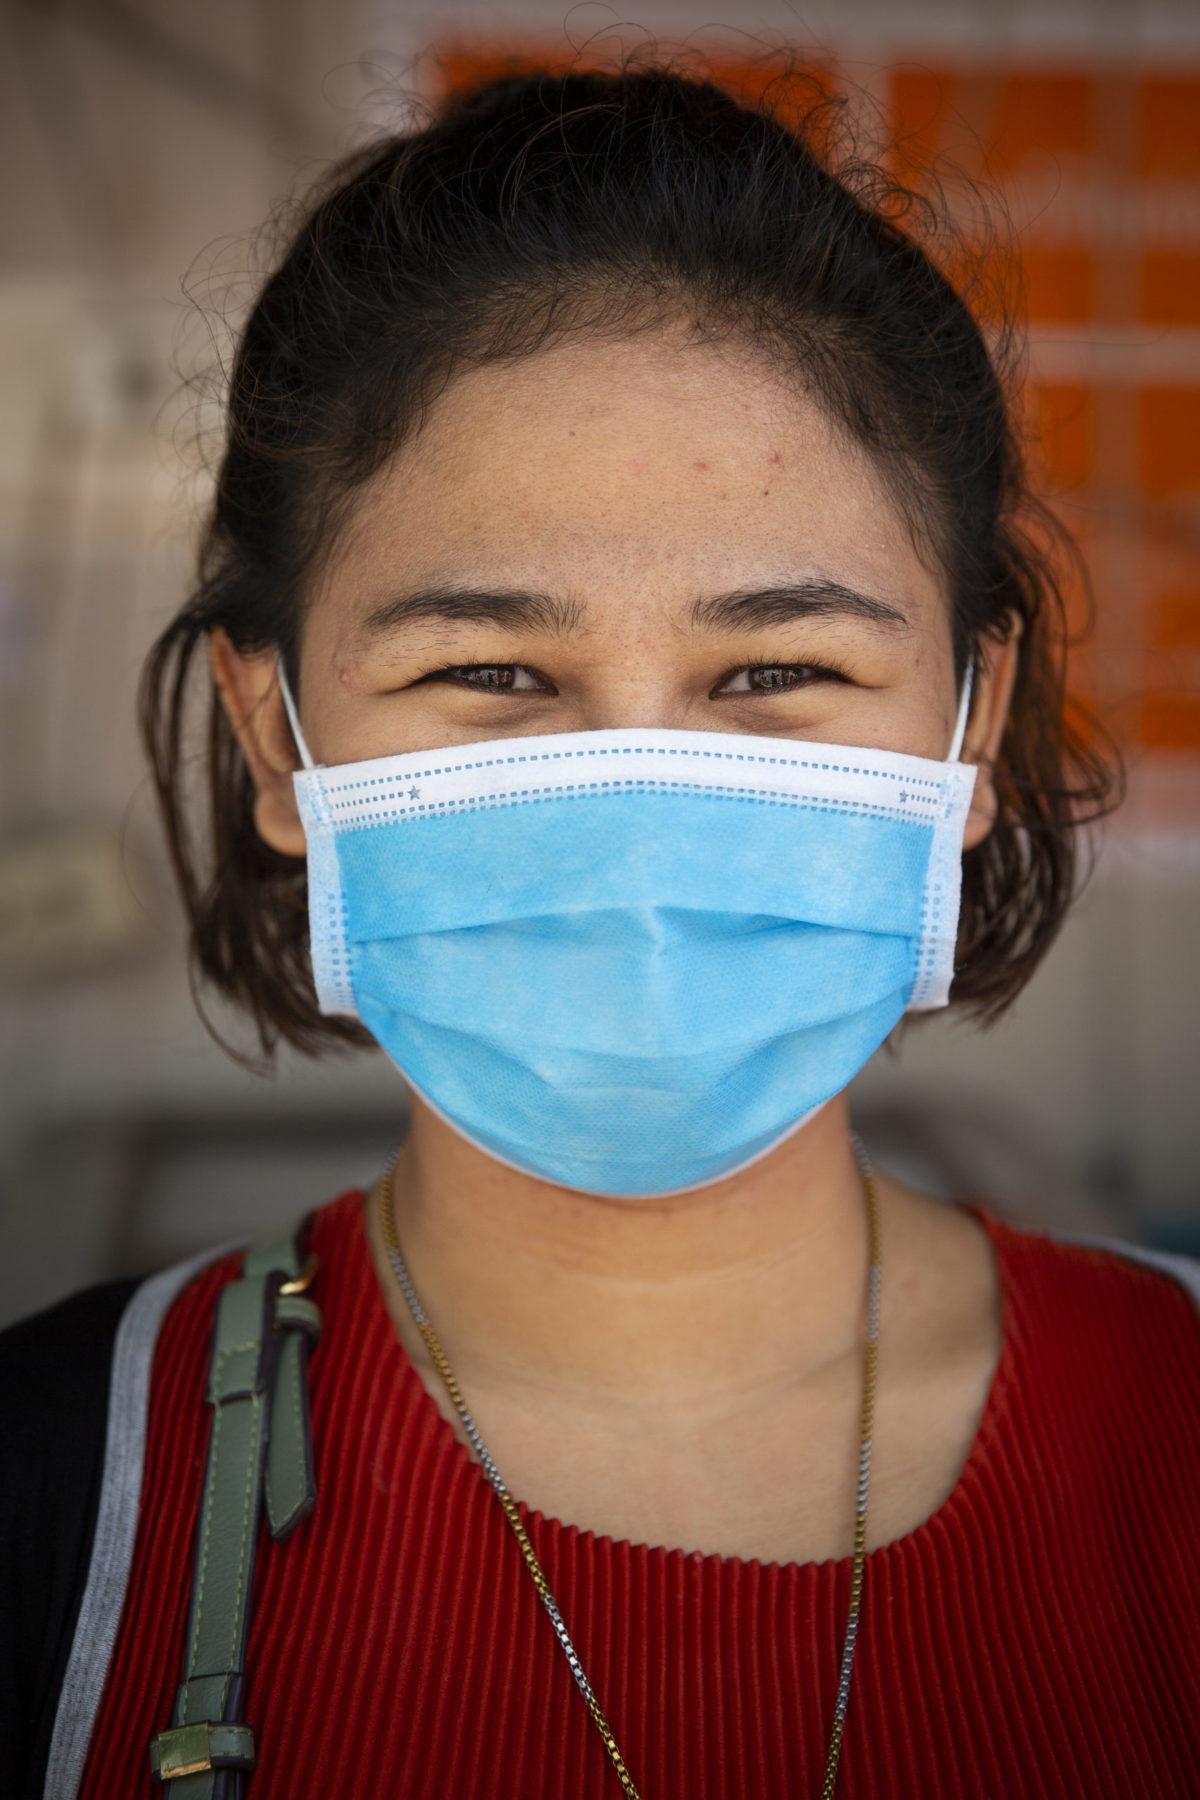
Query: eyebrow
(512, 609)
(519, 609)
(752, 609)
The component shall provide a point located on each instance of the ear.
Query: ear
(991, 697)
(249, 690)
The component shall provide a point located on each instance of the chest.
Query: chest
(398, 1645)
(1024, 1641)
(776, 1482)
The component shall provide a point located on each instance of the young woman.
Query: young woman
(635, 687)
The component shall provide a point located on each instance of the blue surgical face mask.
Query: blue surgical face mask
(632, 962)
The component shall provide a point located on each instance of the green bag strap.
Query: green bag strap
(260, 1448)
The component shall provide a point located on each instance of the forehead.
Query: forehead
(605, 470)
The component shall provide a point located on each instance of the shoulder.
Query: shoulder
(54, 1382)
(74, 1387)
(1108, 1335)
(54, 1370)
(54, 1377)
(96, 1395)
(1082, 1278)
(56, 1364)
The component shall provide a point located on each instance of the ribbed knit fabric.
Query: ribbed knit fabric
(1039, 1635)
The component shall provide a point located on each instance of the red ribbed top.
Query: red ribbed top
(1039, 1635)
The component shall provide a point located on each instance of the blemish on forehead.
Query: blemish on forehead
(699, 465)
(639, 465)
(774, 456)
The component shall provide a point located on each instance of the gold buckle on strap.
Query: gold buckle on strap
(193, 1749)
(299, 1282)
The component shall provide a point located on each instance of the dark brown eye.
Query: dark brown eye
(492, 678)
(774, 678)
(771, 681)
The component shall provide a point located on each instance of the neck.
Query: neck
(696, 1298)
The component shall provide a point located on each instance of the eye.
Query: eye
(493, 678)
(775, 678)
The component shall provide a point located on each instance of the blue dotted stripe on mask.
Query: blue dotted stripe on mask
(496, 762)
(925, 814)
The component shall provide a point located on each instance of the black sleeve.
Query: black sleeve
(54, 1377)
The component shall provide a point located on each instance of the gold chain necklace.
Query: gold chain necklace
(383, 1198)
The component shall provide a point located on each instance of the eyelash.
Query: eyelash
(458, 672)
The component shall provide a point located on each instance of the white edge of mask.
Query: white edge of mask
(943, 874)
(941, 899)
(326, 905)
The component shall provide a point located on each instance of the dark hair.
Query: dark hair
(540, 205)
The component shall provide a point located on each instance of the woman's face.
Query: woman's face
(616, 534)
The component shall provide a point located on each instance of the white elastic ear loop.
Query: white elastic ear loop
(293, 716)
(964, 708)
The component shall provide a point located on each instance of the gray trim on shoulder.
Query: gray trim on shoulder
(116, 1522)
(1185, 1269)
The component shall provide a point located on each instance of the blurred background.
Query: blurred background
(143, 144)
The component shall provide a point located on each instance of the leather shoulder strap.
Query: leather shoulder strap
(260, 1448)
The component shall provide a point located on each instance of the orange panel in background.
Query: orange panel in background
(920, 98)
(1065, 423)
(1100, 173)
(1060, 283)
(1170, 721)
(1177, 621)
(987, 123)
(1169, 286)
(1169, 171)
(1169, 441)
(1169, 128)
(1038, 115)
(1025, 137)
